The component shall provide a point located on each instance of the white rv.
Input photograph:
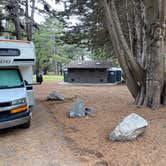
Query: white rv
(16, 86)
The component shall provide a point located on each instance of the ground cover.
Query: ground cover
(88, 137)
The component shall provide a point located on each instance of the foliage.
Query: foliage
(137, 31)
(100, 54)
(72, 52)
(20, 14)
(53, 53)
(138, 36)
(45, 49)
(90, 30)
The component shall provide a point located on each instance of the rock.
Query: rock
(77, 110)
(130, 128)
(55, 96)
(89, 112)
(101, 163)
(99, 155)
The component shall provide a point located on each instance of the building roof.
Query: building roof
(89, 64)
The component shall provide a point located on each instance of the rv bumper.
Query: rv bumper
(15, 122)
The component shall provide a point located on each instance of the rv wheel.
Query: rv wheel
(26, 125)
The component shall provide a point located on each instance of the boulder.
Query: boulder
(130, 128)
(77, 110)
(89, 112)
(55, 96)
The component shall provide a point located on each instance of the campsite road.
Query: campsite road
(40, 145)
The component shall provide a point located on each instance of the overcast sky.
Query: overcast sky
(39, 17)
(58, 7)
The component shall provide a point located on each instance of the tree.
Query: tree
(90, 31)
(137, 31)
(54, 53)
(13, 7)
(144, 78)
(45, 40)
(17, 12)
(20, 13)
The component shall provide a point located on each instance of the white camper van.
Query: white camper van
(16, 87)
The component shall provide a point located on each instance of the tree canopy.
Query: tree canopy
(52, 53)
(142, 57)
(135, 29)
(90, 29)
(20, 15)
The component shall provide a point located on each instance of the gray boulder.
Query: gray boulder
(55, 96)
(90, 112)
(77, 110)
(130, 128)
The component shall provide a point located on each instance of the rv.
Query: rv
(17, 58)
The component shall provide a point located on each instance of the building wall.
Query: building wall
(87, 75)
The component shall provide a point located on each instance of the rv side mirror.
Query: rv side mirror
(39, 78)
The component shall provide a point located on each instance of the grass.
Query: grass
(50, 78)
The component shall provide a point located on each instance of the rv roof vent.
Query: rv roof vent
(98, 63)
(80, 63)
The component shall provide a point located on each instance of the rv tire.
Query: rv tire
(26, 125)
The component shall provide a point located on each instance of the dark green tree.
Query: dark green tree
(90, 30)
(52, 52)
(137, 31)
(20, 15)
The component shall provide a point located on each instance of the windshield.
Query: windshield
(10, 78)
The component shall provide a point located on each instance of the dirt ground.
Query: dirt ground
(56, 140)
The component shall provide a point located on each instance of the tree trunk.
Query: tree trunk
(15, 17)
(29, 19)
(45, 70)
(144, 71)
(155, 51)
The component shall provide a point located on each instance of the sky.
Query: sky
(58, 7)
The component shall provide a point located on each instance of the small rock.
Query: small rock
(130, 128)
(101, 163)
(89, 112)
(77, 110)
(99, 155)
(55, 96)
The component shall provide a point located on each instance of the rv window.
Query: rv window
(10, 78)
(9, 52)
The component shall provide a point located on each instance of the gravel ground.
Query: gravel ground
(40, 145)
(56, 140)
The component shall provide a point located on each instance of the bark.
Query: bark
(129, 28)
(140, 33)
(164, 93)
(136, 71)
(145, 74)
(15, 17)
(45, 71)
(155, 51)
(130, 81)
(29, 19)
